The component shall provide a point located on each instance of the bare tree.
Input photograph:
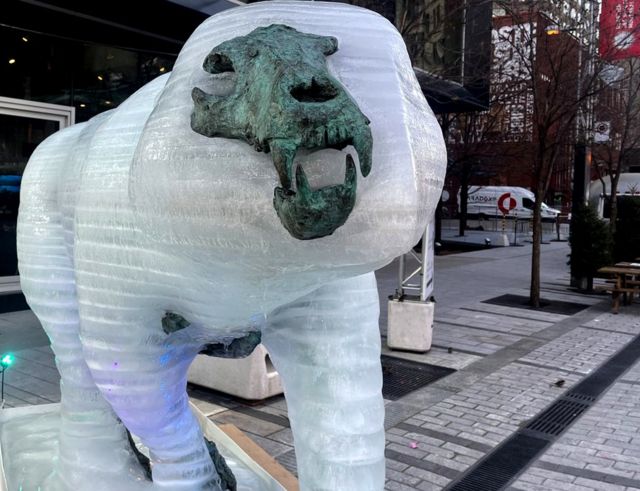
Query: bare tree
(618, 108)
(560, 78)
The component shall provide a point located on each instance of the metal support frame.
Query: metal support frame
(404, 282)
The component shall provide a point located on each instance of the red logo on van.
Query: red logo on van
(506, 203)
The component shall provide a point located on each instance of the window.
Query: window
(527, 203)
(91, 77)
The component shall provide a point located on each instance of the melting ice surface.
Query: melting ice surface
(29, 452)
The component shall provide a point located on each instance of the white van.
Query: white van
(483, 202)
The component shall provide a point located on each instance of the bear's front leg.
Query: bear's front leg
(326, 347)
(142, 373)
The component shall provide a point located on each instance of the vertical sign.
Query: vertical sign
(619, 29)
(428, 256)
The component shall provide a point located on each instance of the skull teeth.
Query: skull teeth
(350, 174)
(302, 183)
(362, 144)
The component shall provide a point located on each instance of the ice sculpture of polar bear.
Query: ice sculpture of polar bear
(172, 207)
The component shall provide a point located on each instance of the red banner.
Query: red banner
(620, 29)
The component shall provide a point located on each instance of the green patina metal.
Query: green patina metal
(172, 322)
(240, 347)
(227, 479)
(285, 99)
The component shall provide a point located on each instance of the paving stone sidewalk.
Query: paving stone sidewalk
(510, 364)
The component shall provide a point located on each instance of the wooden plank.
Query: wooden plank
(262, 458)
(619, 270)
(628, 265)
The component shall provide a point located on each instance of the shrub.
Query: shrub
(591, 244)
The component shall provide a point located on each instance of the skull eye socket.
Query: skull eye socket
(316, 91)
(218, 63)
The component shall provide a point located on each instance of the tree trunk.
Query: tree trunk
(613, 203)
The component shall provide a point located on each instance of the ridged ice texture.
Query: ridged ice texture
(133, 214)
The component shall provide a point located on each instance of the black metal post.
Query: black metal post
(579, 196)
(580, 177)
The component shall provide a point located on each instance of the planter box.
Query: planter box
(410, 325)
(253, 377)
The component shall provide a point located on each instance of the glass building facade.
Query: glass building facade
(90, 77)
(64, 61)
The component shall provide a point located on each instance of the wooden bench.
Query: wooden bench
(626, 284)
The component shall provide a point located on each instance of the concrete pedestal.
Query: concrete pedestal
(503, 241)
(253, 377)
(410, 325)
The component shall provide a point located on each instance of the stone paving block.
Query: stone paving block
(427, 486)
(395, 465)
(536, 478)
(476, 341)
(32, 385)
(633, 375)
(420, 463)
(436, 356)
(554, 485)
(18, 397)
(516, 313)
(270, 446)
(402, 478)
(396, 486)
(246, 423)
(431, 478)
(626, 321)
(527, 486)
(581, 350)
(447, 462)
(492, 322)
(207, 408)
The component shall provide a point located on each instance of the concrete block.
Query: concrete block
(253, 377)
(410, 325)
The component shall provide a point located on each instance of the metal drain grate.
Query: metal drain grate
(494, 473)
(400, 377)
(500, 467)
(557, 417)
(578, 396)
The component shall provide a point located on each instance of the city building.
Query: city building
(547, 93)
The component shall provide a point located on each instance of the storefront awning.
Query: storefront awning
(445, 96)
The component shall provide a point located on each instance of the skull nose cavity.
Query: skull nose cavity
(316, 91)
